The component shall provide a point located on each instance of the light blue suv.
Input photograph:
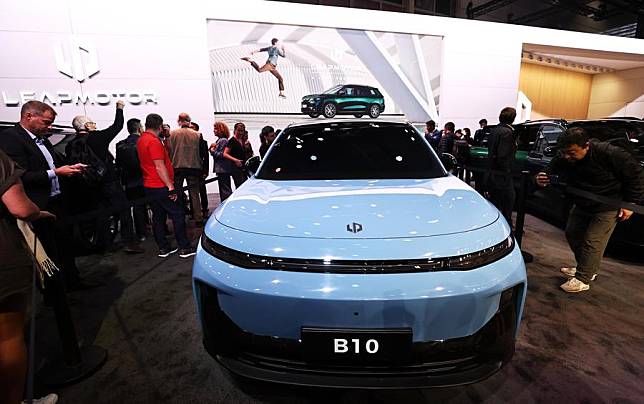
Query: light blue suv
(353, 259)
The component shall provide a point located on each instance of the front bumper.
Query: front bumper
(310, 107)
(430, 363)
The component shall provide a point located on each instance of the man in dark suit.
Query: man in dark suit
(26, 144)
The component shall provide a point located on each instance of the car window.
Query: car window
(526, 136)
(350, 91)
(350, 151)
(547, 136)
(332, 90)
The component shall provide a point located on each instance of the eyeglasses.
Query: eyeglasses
(91, 123)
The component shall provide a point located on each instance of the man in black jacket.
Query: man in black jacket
(127, 160)
(27, 145)
(501, 149)
(602, 169)
(109, 188)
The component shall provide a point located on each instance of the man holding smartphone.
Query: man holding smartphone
(602, 169)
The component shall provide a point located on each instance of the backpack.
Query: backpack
(78, 151)
(127, 159)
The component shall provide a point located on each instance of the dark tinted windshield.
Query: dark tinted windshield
(350, 151)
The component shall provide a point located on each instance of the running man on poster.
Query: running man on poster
(274, 52)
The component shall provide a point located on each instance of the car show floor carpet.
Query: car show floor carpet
(586, 347)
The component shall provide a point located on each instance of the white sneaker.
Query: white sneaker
(569, 271)
(574, 285)
(572, 271)
(48, 399)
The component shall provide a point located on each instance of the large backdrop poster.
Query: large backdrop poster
(406, 68)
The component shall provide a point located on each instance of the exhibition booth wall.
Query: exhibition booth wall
(556, 92)
(619, 93)
(163, 57)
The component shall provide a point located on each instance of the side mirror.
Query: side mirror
(252, 164)
(449, 162)
(550, 151)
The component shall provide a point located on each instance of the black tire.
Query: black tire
(374, 110)
(358, 115)
(329, 110)
(314, 114)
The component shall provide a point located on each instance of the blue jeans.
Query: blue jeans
(162, 207)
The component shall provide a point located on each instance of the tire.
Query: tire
(358, 115)
(314, 115)
(374, 110)
(329, 110)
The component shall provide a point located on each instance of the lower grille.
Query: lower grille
(481, 353)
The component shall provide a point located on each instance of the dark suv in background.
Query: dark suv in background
(537, 145)
(344, 99)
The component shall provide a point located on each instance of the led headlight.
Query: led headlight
(463, 262)
(481, 257)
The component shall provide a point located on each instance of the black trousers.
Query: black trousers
(57, 242)
(162, 207)
(114, 197)
(140, 211)
(225, 189)
(503, 199)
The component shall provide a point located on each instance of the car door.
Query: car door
(549, 201)
(350, 99)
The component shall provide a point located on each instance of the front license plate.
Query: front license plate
(356, 346)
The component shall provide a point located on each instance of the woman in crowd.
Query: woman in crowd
(267, 136)
(222, 167)
(16, 276)
(235, 152)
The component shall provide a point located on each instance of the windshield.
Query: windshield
(332, 90)
(350, 151)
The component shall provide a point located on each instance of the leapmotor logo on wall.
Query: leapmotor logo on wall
(79, 61)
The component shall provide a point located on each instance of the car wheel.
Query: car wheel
(330, 110)
(314, 115)
(374, 110)
(358, 115)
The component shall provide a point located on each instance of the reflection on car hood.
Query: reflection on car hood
(356, 208)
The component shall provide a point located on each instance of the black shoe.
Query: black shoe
(164, 252)
(187, 252)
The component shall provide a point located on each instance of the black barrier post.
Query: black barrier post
(77, 362)
(520, 220)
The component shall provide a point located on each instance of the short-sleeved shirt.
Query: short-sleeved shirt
(150, 148)
(236, 149)
(15, 259)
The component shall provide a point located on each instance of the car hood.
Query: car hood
(310, 96)
(356, 208)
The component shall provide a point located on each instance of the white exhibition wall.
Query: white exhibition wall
(158, 51)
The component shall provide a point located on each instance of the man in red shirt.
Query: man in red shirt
(158, 182)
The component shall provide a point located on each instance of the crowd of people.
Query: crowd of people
(98, 192)
(42, 186)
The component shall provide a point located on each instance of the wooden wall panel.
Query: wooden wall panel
(556, 93)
